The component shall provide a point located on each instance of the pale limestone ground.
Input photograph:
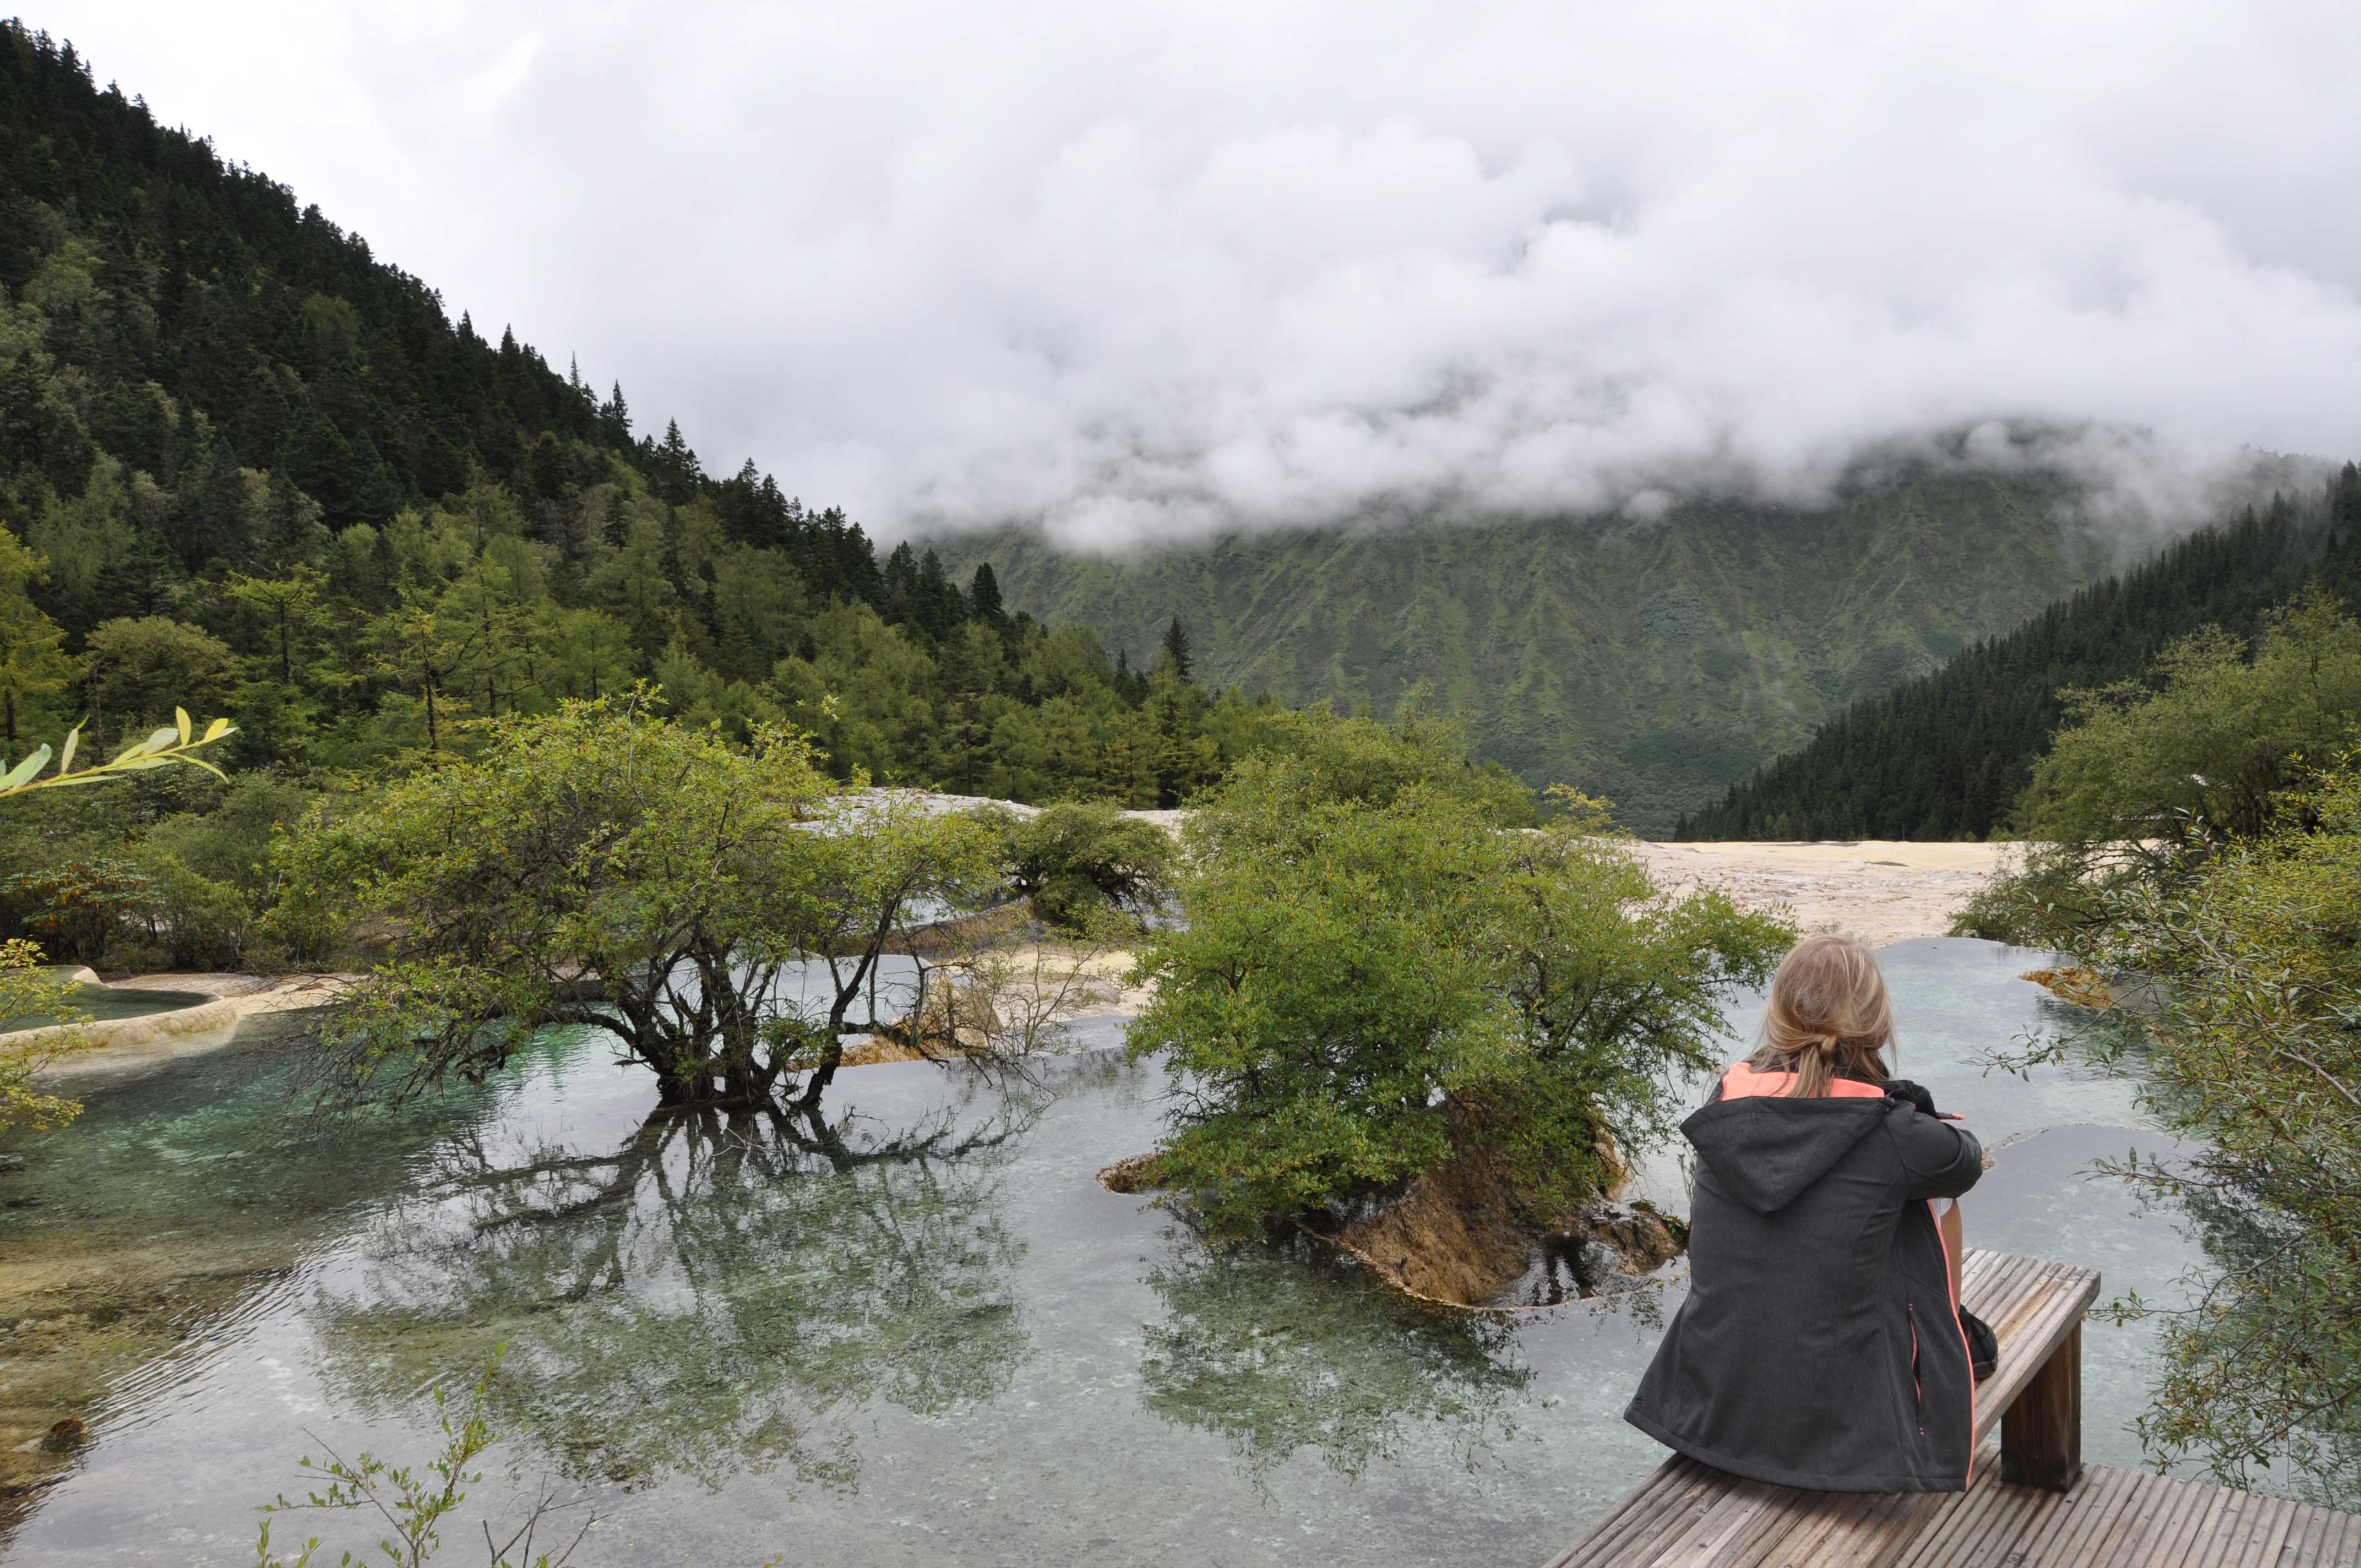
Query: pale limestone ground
(1880, 891)
(121, 1046)
(252, 992)
(1877, 889)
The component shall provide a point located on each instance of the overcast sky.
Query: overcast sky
(1137, 271)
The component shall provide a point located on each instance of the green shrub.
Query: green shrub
(1075, 861)
(1373, 977)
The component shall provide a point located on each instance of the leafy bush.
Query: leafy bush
(209, 885)
(2248, 1044)
(2153, 779)
(2198, 842)
(606, 868)
(27, 992)
(1076, 860)
(1373, 978)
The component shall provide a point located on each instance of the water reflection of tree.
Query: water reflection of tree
(721, 1293)
(1278, 1349)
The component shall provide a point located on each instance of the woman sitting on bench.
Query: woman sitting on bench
(1822, 1344)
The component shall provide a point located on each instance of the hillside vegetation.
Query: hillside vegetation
(1948, 755)
(1653, 663)
(249, 469)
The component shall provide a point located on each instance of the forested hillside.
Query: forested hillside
(1946, 756)
(258, 472)
(1650, 662)
(247, 468)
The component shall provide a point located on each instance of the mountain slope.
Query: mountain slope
(1946, 756)
(1653, 663)
(181, 323)
(254, 471)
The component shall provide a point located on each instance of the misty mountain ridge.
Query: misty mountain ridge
(206, 380)
(1654, 661)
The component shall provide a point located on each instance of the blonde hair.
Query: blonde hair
(1827, 1016)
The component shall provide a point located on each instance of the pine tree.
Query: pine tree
(1176, 652)
(943, 609)
(615, 418)
(678, 473)
(984, 597)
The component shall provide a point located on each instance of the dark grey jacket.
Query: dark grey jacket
(1819, 1347)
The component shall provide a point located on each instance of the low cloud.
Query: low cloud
(1136, 273)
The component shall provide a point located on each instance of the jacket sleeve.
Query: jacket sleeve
(1939, 1159)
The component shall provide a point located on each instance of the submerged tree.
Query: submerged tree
(603, 866)
(719, 1294)
(1279, 1352)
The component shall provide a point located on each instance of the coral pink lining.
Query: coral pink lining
(1742, 1082)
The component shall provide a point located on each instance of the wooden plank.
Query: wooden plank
(2117, 1519)
(1659, 1490)
(2162, 1521)
(2304, 1540)
(2108, 1519)
(2041, 1431)
(2245, 1525)
(1771, 1542)
(1720, 1527)
(2193, 1548)
(2026, 1345)
(1857, 1533)
(1953, 1539)
(1648, 1513)
(1636, 1503)
(2177, 1514)
(2107, 1522)
(2275, 1545)
(2316, 1547)
(1701, 1488)
(2216, 1536)
(1686, 1515)
(2249, 1531)
(2337, 1533)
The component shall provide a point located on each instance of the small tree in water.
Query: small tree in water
(1378, 976)
(605, 868)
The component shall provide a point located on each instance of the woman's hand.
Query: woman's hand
(1916, 1094)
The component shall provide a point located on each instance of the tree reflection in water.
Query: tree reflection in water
(1280, 1348)
(720, 1294)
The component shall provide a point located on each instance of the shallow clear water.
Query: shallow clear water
(733, 1346)
(102, 1001)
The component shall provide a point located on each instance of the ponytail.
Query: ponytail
(1827, 1016)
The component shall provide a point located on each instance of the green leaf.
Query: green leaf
(24, 770)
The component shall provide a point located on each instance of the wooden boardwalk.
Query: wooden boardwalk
(2032, 1503)
(2125, 1519)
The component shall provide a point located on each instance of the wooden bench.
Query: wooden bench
(1688, 1516)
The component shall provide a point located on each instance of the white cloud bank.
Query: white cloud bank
(1140, 271)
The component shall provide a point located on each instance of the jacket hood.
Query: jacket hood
(1768, 1151)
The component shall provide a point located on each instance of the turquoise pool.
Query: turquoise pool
(105, 1002)
(730, 1346)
